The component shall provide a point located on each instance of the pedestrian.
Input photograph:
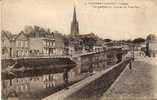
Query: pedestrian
(130, 65)
(65, 77)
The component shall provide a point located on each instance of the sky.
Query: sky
(114, 23)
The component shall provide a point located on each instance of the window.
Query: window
(3, 51)
(30, 51)
(45, 42)
(49, 43)
(26, 52)
(26, 43)
(19, 43)
(45, 51)
(16, 43)
(22, 43)
(2, 42)
(53, 43)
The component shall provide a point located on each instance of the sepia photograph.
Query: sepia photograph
(78, 49)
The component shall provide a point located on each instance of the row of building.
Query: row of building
(23, 44)
(42, 42)
(46, 44)
(151, 45)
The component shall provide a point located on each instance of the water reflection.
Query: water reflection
(28, 88)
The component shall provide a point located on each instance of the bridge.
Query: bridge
(80, 64)
(34, 66)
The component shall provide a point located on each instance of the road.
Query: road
(140, 83)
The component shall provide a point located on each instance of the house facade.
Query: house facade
(59, 43)
(42, 46)
(151, 44)
(42, 43)
(21, 45)
(6, 45)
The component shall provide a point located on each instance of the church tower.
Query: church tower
(74, 25)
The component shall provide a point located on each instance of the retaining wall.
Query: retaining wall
(92, 87)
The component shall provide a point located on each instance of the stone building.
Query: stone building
(90, 61)
(73, 45)
(41, 44)
(151, 45)
(21, 45)
(6, 44)
(73, 42)
(80, 43)
(59, 43)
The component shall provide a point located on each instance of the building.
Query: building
(6, 44)
(151, 45)
(73, 42)
(14, 45)
(77, 43)
(90, 41)
(59, 43)
(73, 45)
(41, 43)
(21, 45)
(74, 25)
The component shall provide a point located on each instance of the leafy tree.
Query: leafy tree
(107, 40)
(151, 37)
(129, 41)
(88, 42)
(28, 29)
(36, 31)
(138, 40)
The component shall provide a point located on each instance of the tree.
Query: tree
(138, 40)
(28, 29)
(107, 40)
(151, 37)
(89, 42)
(129, 41)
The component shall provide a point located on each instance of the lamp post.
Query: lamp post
(133, 52)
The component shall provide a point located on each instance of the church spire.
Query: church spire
(74, 25)
(74, 16)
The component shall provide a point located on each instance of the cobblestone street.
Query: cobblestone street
(140, 83)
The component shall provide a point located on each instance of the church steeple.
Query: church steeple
(74, 25)
(74, 16)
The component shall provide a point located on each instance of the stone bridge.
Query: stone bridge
(34, 66)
